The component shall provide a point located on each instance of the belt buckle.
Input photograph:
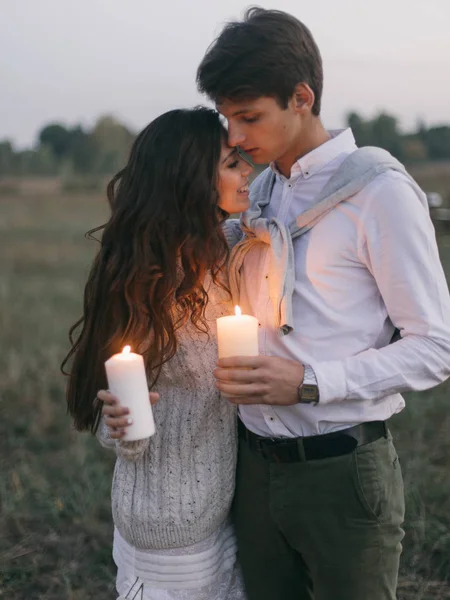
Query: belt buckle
(258, 442)
(268, 453)
(286, 454)
(272, 452)
(273, 456)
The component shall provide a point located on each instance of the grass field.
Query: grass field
(55, 524)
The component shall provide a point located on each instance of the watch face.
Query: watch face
(309, 393)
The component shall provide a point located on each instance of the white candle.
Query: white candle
(127, 380)
(237, 335)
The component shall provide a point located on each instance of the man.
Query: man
(319, 502)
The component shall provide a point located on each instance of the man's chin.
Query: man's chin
(259, 158)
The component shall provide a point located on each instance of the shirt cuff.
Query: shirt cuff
(331, 381)
(309, 377)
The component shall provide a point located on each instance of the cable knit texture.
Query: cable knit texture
(175, 488)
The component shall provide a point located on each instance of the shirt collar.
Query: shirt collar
(342, 141)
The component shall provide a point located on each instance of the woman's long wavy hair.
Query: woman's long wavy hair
(163, 235)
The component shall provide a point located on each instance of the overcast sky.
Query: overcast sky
(73, 60)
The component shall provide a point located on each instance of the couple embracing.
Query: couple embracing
(272, 477)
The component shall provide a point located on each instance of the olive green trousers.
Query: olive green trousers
(328, 529)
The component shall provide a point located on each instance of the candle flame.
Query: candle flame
(126, 350)
(237, 311)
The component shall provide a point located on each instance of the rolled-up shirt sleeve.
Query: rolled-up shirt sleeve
(397, 244)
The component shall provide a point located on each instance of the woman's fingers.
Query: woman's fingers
(115, 410)
(116, 416)
(116, 434)
(107, 397)
(116, 422)
(154, 397)
(111, 405)
(117, 426)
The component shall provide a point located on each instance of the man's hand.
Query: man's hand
(259, 379)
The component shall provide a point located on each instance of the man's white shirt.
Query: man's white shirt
(367, 267)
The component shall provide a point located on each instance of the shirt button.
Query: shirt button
(271, 418)
(290, 185)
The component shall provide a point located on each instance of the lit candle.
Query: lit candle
(127, 380)
(237, 335)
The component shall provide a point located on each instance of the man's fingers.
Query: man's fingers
(237, 375)
(242, 362)
(240, 400)
(245, 391)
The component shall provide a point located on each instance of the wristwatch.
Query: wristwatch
(308, 391)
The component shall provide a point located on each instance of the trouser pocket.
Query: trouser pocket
(378, 481)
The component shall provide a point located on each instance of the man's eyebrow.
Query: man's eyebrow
(243, 111)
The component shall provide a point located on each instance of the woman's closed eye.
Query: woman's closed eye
(234, 164)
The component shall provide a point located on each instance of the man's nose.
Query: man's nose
(235, 137)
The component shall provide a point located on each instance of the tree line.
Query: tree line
(423, 144)
(61, 150)
(103, 149)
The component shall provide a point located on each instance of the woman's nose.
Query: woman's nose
(247, 168)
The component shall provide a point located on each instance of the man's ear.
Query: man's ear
(303, 98)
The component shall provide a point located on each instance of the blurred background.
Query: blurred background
(77, 81)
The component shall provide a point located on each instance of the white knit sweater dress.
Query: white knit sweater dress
(171, 493)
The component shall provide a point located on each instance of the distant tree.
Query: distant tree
(7, 158)
(35, 162)
(437, 140)
(421, 129)
(57, 138)
(113, 141)
(83, 151)
(361, 129)
(385, 134)
(43, 162)
(381, 131)
(23, 162)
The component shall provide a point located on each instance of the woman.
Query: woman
(157, 284)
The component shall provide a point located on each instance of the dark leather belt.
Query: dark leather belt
(314, 447)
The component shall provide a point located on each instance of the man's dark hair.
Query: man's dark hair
(266, 54)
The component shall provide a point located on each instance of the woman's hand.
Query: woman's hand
(116, 416)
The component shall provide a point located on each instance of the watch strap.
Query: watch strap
(308, 391)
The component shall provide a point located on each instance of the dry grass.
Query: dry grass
(54, 486)
(55, 525)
